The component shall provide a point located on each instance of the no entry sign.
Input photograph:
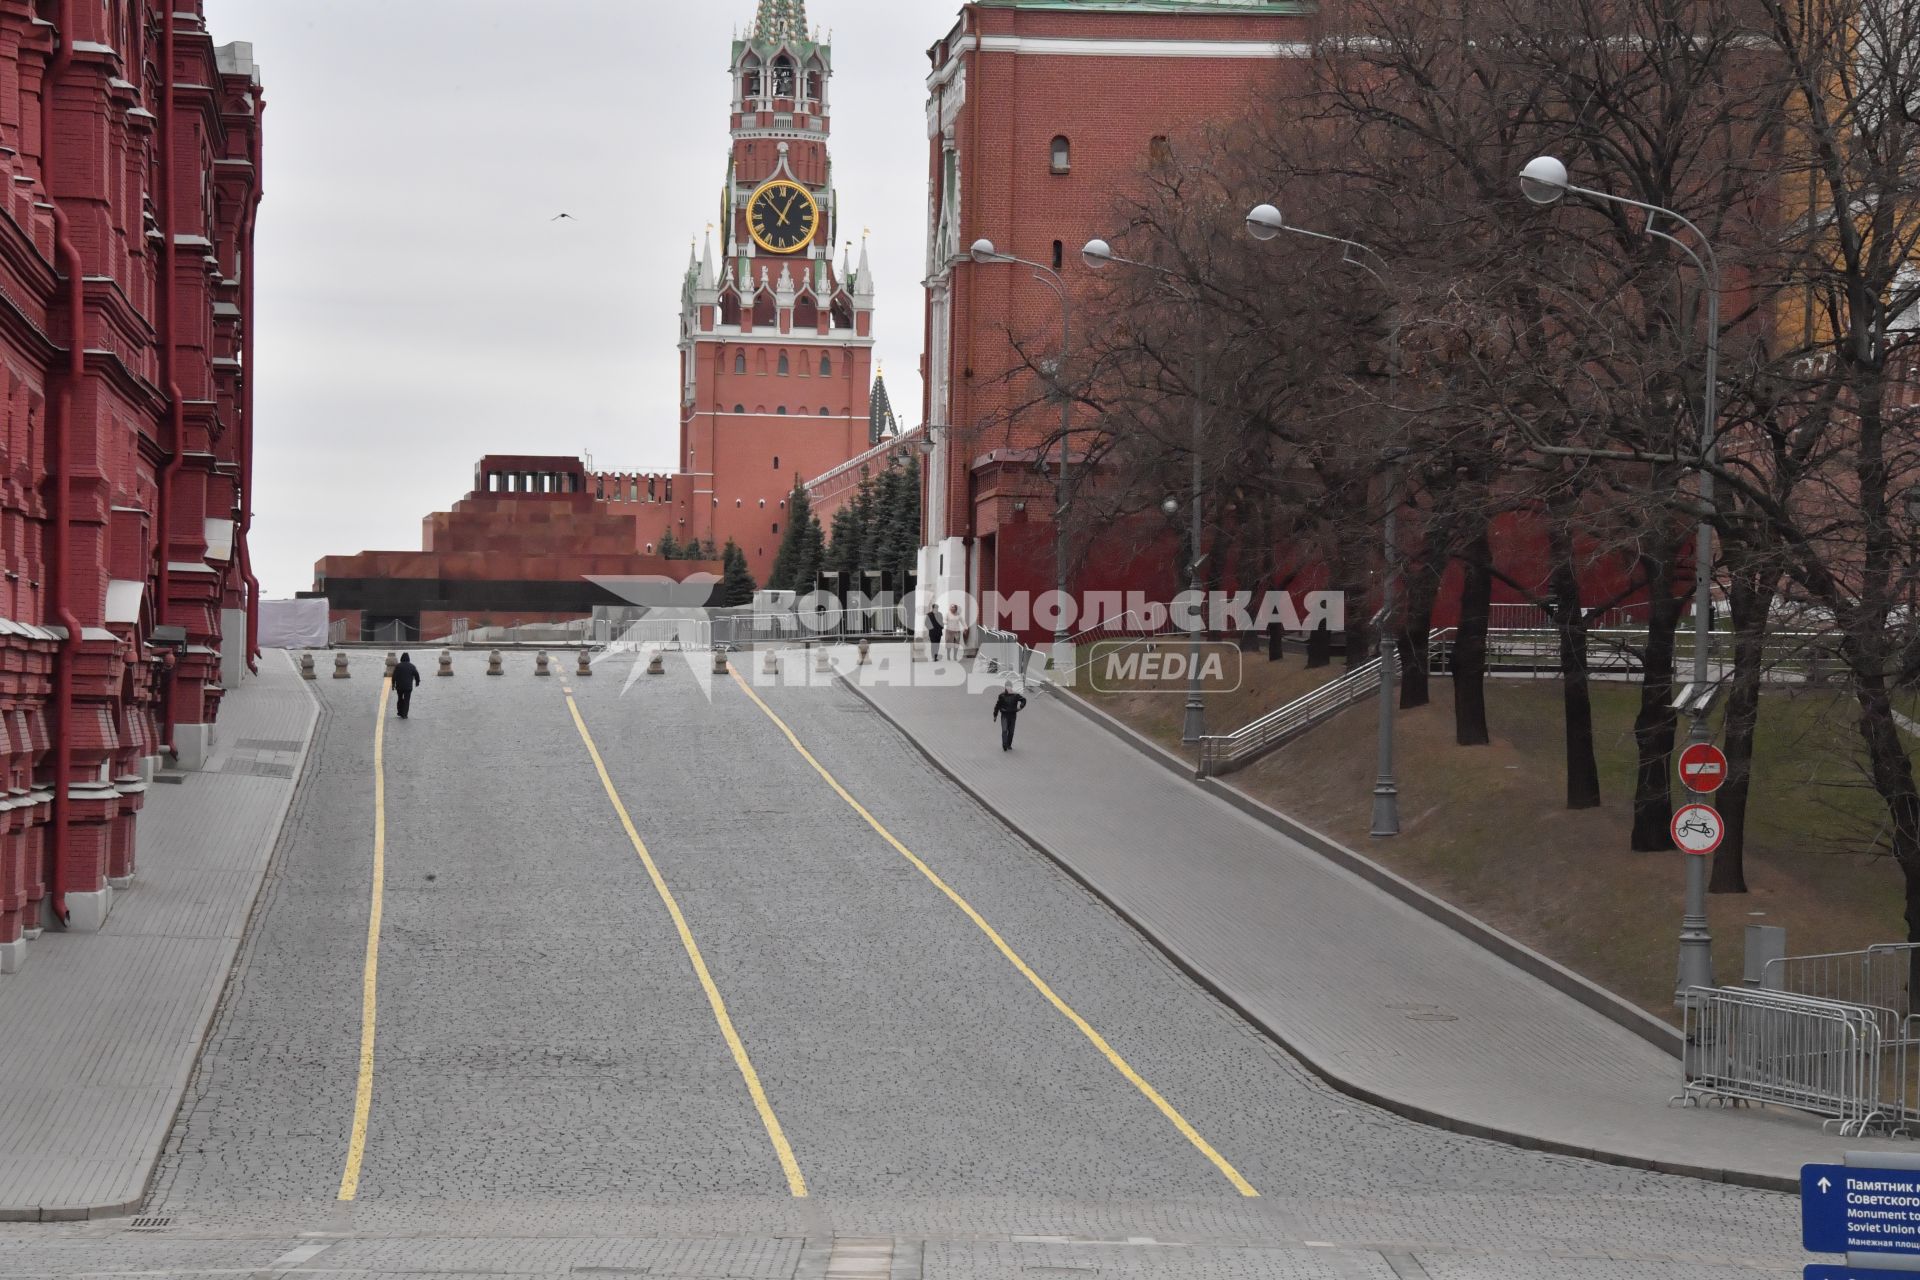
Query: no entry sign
(1703, 767)
(1698, 828)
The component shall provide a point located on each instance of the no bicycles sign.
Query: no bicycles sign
(1698, 828)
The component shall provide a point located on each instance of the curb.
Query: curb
(184, 1077)
(1326, 1073)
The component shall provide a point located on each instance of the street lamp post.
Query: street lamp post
(1544, 180)
(1097, 254)
(1265, 222)
(983, 251)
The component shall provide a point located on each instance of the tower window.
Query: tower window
(1059, 255)
(739, 408)
(1062, 154)
(782, 411)
(823, 411)
(776, 528)
(784, 369)
(1159, 150)
(826, 365)
(776, 462)
(814, 86)
(783, 77)
(739, 362)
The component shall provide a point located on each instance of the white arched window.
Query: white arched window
(784, 368)
(1062, 154)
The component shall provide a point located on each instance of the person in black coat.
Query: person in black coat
(935, 629)
(406, 678)
(1006, 709)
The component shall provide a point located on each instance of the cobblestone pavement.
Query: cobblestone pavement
(551, 1095)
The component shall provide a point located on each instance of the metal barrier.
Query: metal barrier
(1819, 1056)
(1002, 651)
(1224, 752)
(1877, 977)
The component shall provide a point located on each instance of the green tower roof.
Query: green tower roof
(780, 20)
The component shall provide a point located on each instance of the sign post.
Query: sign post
(1698, 828)
(1703, 768)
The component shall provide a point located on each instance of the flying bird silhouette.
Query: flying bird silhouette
(556, 217)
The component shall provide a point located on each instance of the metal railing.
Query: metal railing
(1001, 651)
(1224, 752)
(1876, 977)
(1821, 1056)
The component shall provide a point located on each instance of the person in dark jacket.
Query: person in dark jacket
(1006, 708)
(406, 678)
(934, 630)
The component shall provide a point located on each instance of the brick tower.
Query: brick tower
(776, 343)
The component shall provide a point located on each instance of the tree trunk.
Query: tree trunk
(1422, 586)
(1470, 649)
(1360, 630)
(1749, 601)
(1276, 642)
(1893, 780)
(1655, 726)
(1319, 647)
(1570, 621)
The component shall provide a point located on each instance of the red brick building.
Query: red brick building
(524, 546)
(130, 146)
(1039, 114)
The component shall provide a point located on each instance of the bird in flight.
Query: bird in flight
(556, 217)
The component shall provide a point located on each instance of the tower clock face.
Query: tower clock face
(782, 216)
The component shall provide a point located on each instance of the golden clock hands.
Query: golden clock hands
(788, 211)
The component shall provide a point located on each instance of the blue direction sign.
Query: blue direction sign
(1821, 1271)
(1846, 1210)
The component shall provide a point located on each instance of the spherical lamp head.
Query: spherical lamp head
(1265, 222)
(1544, 180)
(983, 251)
(1170, 505)
(1097, 254)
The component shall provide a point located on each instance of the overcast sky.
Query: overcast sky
(418, 308)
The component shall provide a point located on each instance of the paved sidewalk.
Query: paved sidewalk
(1381, 1000)
(101, 1030)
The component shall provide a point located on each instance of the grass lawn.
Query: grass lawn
(1487, 828)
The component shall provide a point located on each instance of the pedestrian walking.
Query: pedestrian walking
(1007, 708)
(955, 629)
(406, 678)
(935, 628)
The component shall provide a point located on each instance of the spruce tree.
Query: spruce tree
(812, 557)
(843, 553)
(736, 583)
(668, 549)
(786, 561)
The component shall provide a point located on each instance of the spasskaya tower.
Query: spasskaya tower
(776, 343)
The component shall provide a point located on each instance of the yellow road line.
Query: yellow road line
(370, 977)
(1118, 1063)
(796, 1183)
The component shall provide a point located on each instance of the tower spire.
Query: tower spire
(781, 20)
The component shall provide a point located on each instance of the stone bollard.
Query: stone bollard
(864, 659)
(719, 662)
(822, 664)
(656, 665)
(770, 665)
(493, 664)
(340, 671)
(540, 664)
(446, 662)
(585, 667)
(393, 660)
(306, 667)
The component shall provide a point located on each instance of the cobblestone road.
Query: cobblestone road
(551, 1093)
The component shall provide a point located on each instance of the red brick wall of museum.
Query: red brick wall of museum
(154, 427)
